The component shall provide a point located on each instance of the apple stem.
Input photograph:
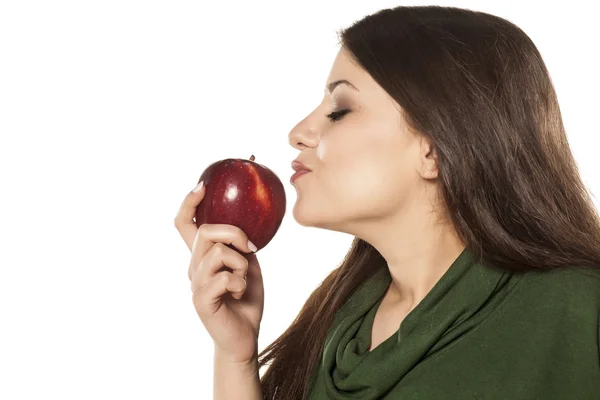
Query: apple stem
(252, 158)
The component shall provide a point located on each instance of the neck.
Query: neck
(418, 251)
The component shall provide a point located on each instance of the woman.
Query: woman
(474, 271)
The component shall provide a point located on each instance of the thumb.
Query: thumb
(184, 221)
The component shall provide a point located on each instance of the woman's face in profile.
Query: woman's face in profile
(365, 165)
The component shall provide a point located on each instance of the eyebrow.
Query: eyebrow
(334, 84)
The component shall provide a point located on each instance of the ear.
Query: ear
(428, 159)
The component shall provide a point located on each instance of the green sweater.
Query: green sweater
(480, 333)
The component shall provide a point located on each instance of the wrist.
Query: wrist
(234, 362)
(242, 372)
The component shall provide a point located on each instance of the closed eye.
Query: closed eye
(337, 115)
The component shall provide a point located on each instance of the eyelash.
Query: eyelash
(337, 115)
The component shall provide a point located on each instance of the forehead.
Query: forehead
(345, 68)
(368, 90)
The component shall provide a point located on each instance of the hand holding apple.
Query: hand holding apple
(244, 194)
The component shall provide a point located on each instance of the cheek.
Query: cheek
(362, 157)
(361, 173)
(343, 148)
(362, 178)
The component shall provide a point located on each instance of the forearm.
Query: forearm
(233, 381)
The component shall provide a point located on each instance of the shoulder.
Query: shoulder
(566, 298)
(573, 290)
(573, 277)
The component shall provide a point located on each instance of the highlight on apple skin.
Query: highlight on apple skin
(245, 194)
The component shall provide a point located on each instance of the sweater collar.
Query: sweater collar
(446, 311)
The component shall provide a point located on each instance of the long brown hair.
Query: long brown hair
(477, 87)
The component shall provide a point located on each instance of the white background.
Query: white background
(109, 112)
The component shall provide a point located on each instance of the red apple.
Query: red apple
(244, 194)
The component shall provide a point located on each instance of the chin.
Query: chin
(322, 220)
(301, 217)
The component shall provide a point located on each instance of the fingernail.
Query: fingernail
(198, 187)
(252, 246)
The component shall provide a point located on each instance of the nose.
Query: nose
(303, 136)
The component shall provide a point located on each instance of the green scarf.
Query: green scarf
(347, 369)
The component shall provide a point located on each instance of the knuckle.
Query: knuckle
(240, 262)
(224, 277)
(219, 249)
(234, 231)
(240, 233)
(203, 229)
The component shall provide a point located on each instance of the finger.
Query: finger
(209, 234)
(184, 221)
(210, 292)
(219, 256)
(254, 291)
